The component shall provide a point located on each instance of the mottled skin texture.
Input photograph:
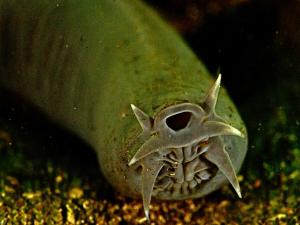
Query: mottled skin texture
(84, 62)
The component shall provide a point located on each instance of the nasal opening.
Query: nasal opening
(179, 121)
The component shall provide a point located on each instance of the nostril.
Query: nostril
(179, 121)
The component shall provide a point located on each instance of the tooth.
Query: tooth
(218, 156)
(192, 184)
(143, 118)
(205, 175)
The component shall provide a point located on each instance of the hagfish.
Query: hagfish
(115, 74)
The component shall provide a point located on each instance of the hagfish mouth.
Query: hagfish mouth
(183, 149)
(183, 171)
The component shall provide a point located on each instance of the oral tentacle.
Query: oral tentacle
(216, 128)
(209, 129)
(150, 171)
(153, 145)
(218, 156)
(143, 119)
(212, 96)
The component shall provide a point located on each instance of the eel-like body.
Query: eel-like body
(120, 78)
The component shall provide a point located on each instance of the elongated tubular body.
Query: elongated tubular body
(84, 62)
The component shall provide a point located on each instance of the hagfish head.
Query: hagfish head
(184, 150)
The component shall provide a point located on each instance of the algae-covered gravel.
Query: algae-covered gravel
(48, 176)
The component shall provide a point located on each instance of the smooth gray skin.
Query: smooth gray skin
(85, 62)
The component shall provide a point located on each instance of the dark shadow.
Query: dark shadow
(40, 150)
